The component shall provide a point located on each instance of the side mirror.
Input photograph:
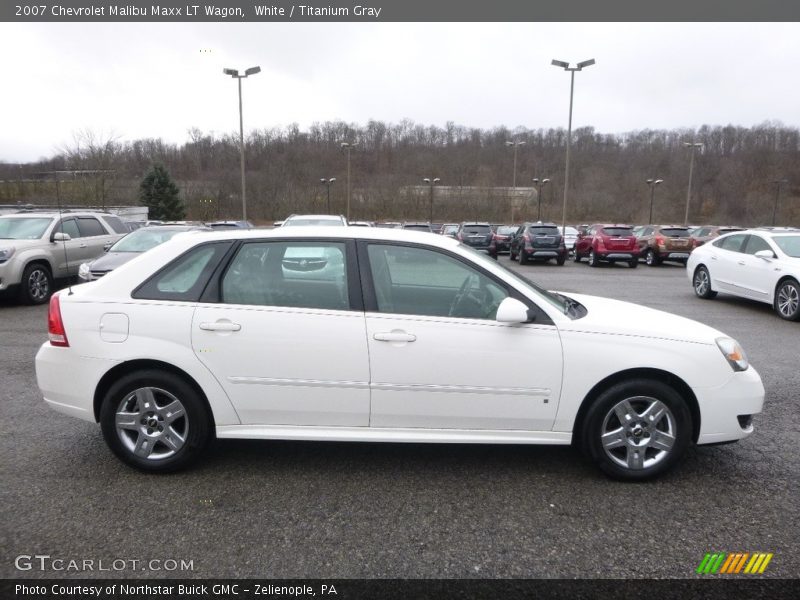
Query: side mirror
(61, 237)
(512, 310)
(107, 247)
(765, 254)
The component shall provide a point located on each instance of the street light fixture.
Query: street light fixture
(327, 183)
(652, 183)
(778, 183)
(348, 147)
(579, 67)
(431, 183)
(693, 146)
(235, 74)
(539, 183)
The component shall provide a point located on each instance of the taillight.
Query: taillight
(660, 240)
(55, 324)
(601, 242)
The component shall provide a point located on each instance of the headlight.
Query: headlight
(733, 353)
(84, 272)
(6, 253)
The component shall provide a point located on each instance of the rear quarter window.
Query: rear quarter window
(116, 224)
(185, 277)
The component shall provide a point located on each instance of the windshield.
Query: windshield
(562, 303)
(482, 229)
(675, 232)
(789, 244)
(144, 239)
(311, 222)
(618, 231)
(13, 228)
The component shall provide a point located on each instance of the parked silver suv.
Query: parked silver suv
(37, 248)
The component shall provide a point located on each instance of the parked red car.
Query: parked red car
(608, 243)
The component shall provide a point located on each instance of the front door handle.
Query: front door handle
(741, 262)
(83, 246)
(220, 326)
(394, 336)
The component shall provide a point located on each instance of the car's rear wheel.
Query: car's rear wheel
(576, 257)
(633, 263)
(637, 429)
(511, 255)
(593, 262)
(787, 300)
(36, 285)
(155, 421)
(702, 283)
(561, 260)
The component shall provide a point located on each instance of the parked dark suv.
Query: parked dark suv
(538, 241)
(665, 242)
(476, 235)
(608, 243)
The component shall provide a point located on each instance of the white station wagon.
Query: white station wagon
(380, 335)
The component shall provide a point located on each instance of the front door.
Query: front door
(438, 357)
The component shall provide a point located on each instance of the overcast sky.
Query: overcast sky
(153, 80)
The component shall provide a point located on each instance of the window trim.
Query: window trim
(370, 298)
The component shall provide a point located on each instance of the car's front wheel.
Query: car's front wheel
(155, 421)
(637, 429)
(702, 283)
(787, 300)
(37, 284)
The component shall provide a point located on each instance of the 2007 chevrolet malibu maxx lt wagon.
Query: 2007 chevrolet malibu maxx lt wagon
(380, 335)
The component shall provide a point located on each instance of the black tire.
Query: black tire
(787, 300)
(593, 262)
(36, 286)
(701, 282)
(651, 258)
(639, 442)
(511, 255)
(195, 424)
(521, 258)
(633, 263)
(561, 260)
(577, 257)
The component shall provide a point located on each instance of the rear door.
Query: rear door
(726, 263)
(287, 341)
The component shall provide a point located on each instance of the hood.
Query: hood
(111, 260)
(625, 318)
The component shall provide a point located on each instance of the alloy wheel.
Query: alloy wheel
(638, 433)
(788, 300)
(38, 285)
(151, 423)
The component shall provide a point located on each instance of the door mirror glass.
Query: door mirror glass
(512, 310)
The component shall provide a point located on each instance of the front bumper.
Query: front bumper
(721, 408)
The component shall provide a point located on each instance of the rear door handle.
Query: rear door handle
(394, 336)
(220, 326)
(83, 246)
(741, 262)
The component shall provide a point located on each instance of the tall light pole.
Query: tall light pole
(539, 183)
(579, 67)
(652, 183)
(778, 183)
(431, 183)
(515, 145)
(235, 74)
(348, 146)
(693, 146)
(327, 183)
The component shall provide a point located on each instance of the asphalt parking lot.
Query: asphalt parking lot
(335, 510)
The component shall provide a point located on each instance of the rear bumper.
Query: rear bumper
(724, 410)
(544, 252)
(68, 381)
(618, 255)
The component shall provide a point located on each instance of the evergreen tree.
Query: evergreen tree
(160, 194)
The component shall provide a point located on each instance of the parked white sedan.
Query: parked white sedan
(760, 264)
(398, 337)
